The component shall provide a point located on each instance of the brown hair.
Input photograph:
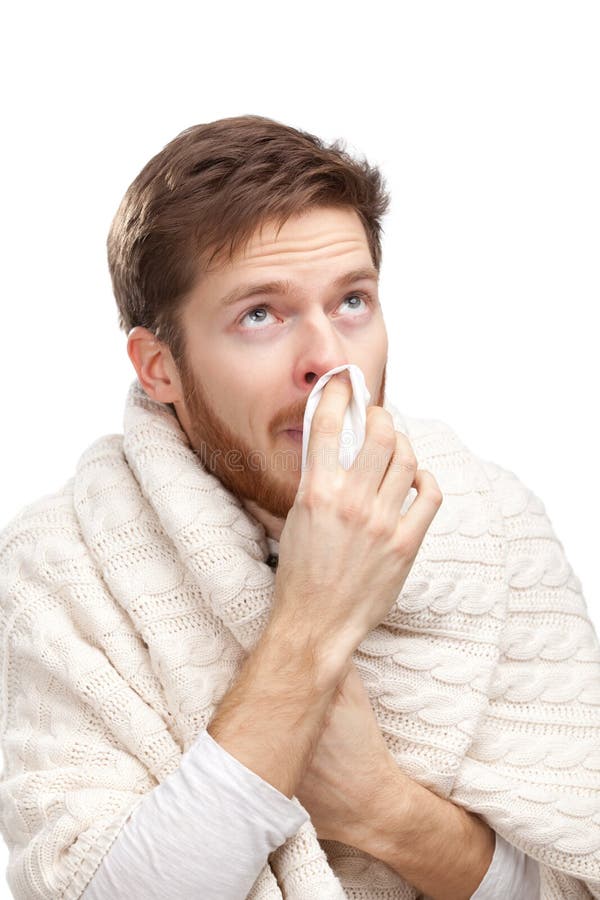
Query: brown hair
(209, 189)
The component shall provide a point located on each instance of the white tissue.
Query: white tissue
(352, 435)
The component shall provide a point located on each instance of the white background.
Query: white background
(483, 116)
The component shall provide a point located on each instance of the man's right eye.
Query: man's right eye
(250, 312)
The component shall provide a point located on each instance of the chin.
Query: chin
(277, 499)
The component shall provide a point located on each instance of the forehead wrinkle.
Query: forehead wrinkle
(294, 246)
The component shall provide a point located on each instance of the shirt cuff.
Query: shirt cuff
(253, 791)
(511, 874)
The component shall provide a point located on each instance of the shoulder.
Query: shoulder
(435, 439)
(30, 543)
(55, 510)
(429, 437)
(440, 449)
(49, 514)
(471, 478)
(43, 539)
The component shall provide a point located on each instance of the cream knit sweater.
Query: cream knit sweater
(130, 598)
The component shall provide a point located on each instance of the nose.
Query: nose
(320, 348)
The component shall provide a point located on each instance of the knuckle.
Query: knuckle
(383, 433)
(433, 490)
(325, 423)
(436, 496)
(403, 440)
(352, 512)
(377, 415)
(312, 498)
(406, 461)
(405, 546)
(378, 529)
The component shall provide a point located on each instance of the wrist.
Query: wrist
(271, 717)
(317, 660)
(384, 814)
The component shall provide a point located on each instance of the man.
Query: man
(393, 711)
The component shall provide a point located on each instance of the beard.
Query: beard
(269, 478)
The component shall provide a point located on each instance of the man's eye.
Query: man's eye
(263, 311)
(358, 295)
(259, 309)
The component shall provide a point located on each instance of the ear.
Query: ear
(154, 365)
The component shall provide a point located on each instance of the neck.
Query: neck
(273, 525)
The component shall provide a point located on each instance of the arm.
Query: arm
(271, 718)
(356, 793)
(206, 830)
(441, 849)
(211, 825)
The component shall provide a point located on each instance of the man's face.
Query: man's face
(251, 363)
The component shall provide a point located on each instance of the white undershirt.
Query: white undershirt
(208, 828)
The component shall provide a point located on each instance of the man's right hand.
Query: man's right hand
(345, 551)
(344, 554)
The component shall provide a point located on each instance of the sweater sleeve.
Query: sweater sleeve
(205, 831)
(85, 733)
(68, 782)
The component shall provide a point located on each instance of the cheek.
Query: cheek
(384, 344)
(245, 393)
(381, 339)
(372, 360)
(235, 385)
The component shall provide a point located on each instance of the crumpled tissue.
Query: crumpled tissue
(352, 435)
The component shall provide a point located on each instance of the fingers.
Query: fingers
(369, 467)
(413, 526)
(384, 469)
(322, 458)
(392, 484)
(399, 476)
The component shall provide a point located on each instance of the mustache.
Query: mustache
(292, 414)
(295, 414)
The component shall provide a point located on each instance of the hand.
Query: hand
(356, 793)
(345, 551)
(350, 769)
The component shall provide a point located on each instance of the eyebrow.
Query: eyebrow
(286, 287)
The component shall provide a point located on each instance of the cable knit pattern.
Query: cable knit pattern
(130, 598)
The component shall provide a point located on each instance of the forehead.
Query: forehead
(318, 234)
(324, 248)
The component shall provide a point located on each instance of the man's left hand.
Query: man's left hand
(356, 793)
(351, 768)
